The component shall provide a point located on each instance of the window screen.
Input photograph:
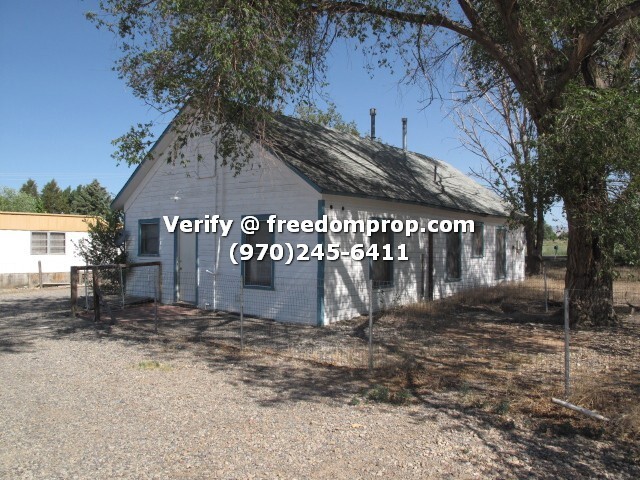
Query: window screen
(47, 243)
(39, 243)
(382, 270)
(56, 243)
(149, 238)
(477, 240)
(259, 273)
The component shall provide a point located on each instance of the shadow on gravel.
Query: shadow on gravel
(27, 318)
(538, 454)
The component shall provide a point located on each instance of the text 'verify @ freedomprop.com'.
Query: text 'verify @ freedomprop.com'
(251, 224)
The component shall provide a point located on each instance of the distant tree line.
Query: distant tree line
(90, 199)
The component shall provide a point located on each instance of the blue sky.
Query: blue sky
(61, 103)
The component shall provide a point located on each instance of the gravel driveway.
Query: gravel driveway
(78, 401)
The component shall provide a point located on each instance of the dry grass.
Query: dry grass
(497, 352)
(492, 351)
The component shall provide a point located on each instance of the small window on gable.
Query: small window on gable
(454, 256)
(259, 273)
(149, 239)
(477, 240)
(382, 270)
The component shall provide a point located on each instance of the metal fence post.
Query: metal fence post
(241, 314)
(156, 289)
(370, 324)
(567, 366)
(121, 285)
(546, 292)
(96, 294)
(86, 286)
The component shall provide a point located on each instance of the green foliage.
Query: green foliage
(90, 199)
(53, 198)
(627, 254)
(379, 393)
(13, 201)
(104, 242)
(549, 232)
(599, 130)
(30, 187)
(327, 118)
(503, 407)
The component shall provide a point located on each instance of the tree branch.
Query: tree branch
(585, 42)
(434, 19)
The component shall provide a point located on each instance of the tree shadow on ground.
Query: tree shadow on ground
(547, 452)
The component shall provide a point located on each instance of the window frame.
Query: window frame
(498, 229)
(261, 218)
(47, 246)
(446, 259)
(390, 283)
(147, 221)
(475, 228)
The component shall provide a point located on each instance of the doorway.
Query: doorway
(186, 267)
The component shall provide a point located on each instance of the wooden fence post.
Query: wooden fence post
(74, 290)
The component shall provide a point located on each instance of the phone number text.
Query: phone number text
(302, 252)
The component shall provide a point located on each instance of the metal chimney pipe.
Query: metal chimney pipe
(404, 134)
(372, 112)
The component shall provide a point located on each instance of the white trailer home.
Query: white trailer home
(32, 239)
(309, 173)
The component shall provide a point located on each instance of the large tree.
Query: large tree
(53, 198)
(30, 187)
(90, 199)
(238, 60)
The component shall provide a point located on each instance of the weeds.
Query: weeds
(153, 365)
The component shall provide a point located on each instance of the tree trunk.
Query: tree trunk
(533, 259)
(589, 276)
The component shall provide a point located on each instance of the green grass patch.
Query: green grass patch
(153, 365)
(548, 249)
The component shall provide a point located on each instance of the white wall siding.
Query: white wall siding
(265, 186)
(15, 255)
(346, 293)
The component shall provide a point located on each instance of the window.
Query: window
(382, 270)
(56, 243)
(477, 240)
(454, 256)
(149, 237)
(47, 243)
(501, 252)
(258, 273)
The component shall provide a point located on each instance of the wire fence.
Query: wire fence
(501, 347)
(283, 317)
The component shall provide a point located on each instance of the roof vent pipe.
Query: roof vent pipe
(372, 112)
(404, 134)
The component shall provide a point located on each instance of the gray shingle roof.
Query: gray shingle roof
(343, 164)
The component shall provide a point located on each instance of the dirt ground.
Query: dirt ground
(459, 391)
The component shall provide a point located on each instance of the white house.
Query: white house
(32, 239)
(307, 172)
